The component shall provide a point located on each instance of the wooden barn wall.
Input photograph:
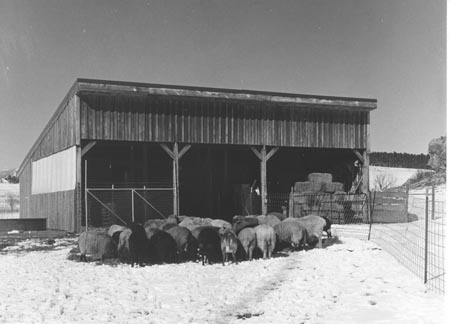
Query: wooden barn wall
(188, 120)
(60, 134)
(57, 207)
(25, 191)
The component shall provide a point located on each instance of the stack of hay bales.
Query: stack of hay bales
(319, 195)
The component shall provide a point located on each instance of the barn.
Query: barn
(120, 151)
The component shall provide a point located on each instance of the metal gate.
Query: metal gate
(107, 206)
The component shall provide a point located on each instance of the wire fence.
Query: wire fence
(419, 241)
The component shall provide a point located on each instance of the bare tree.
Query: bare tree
(12, 200)
(384, 181)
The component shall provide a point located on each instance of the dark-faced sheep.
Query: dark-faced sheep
(248, 240)
(245, 222)
(291, 232)
(198, 228)
(133, 245)
(209, 244)
(162, 247)
(186, 243)
(314, 226)
(99, 246)
(266, 239)
(228, 244)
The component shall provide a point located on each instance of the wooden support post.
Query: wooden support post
(175, 154)
(365, 172)
(264, 156)
(145, 175)
(85, 193)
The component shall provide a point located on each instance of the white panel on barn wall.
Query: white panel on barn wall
(54, 173)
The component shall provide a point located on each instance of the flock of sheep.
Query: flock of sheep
(183, 238)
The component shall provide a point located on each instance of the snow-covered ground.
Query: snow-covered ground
(5, 209)
(349, 282)
(395, 177)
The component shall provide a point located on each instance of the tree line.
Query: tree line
(399, 160)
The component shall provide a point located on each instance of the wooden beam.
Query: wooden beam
(184, 150)
(359, 156)
(255, 150)
(263, 180)
(88, 147)
(271, 153)
(168, 150)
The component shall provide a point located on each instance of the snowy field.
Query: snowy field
(394, 176)
(353, 281)
(5, 209)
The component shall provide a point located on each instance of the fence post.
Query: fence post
(407, 201)
(369, 213)
(433, 196)
(85, 193)
(426, 241)
(132, 205)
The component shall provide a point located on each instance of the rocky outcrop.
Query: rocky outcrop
(437, 150)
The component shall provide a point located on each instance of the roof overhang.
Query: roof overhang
(134, 88)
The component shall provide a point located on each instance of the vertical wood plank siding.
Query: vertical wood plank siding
(60, 134)
(161, 119)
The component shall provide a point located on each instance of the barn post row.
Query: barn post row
(201, 143)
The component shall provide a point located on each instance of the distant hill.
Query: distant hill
(399, 160)
(9, 175)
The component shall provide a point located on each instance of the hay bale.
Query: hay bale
(332, 187)
(307, 186)
(320, 177)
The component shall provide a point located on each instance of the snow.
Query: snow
(354, 281)
(394, 176)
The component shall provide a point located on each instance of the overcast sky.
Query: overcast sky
(393, 51)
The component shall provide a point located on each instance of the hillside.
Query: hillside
(399, 160)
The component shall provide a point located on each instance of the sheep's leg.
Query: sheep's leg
(83, 258)
(250, 253)
(234, 257)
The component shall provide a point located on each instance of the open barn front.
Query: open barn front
(126, 181)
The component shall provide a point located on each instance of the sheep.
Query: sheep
(240, 224)
(115, 228)
(167, 226)
(221, 223)
(266, 239)
(281, 216)
(208, 244)
(247, 236)
(291, 232)
(315, 226)
(228, 244)
(155, 223)
(270, 220)
(186, 243)
(198, 228)
(162, 247)
(327, 227)
(133, 245)
(99, 245)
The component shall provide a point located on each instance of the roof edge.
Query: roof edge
(241, 94)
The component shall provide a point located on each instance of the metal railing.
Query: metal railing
(107, 206)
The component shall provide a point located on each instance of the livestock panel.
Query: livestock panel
(212, 121)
